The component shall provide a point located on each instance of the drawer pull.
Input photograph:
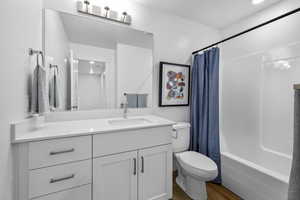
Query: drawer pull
(55, 180)
(52, 153)
(134, 166)
(142, 170)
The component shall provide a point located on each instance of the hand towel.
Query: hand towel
(142, 100)
(39, 103)
(131, 100)
(54, 92)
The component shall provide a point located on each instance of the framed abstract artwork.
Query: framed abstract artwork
(174, 84)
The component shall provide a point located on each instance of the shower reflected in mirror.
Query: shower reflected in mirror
(97, 62)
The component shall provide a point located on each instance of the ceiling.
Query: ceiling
(85, 30)
(215, 13)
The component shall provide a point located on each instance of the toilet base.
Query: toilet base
(194, 188)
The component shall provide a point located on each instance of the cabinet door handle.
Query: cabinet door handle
(55, 180)
(52, 153)
(134, 166)
(142, 170)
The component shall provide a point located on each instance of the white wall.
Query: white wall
(260, 17)
(57, 52)
(21, 26)
(134, 72)
(174, 40)
(86, 52)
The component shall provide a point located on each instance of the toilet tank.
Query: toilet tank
(181, 137)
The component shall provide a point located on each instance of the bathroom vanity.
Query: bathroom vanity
(100, 159)
(92, 64)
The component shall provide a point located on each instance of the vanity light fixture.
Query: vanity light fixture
(256, 2)
(87, 3)
(106, 8)
(92, 71)
(91, 67)
(124, 16)
(282, 65)
(86, 8)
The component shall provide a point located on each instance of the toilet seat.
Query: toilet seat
(198, 165)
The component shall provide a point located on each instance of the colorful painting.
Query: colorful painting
(174, 84)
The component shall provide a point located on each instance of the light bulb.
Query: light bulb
(255, 2)
(91, 67)
(91, 70)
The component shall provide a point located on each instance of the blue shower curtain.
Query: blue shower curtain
(205, 106)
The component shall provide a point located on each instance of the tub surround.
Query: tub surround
(35, 130)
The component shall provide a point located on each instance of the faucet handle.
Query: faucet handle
(123, 104)
(125, 101)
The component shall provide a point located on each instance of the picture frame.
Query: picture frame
(174, 84)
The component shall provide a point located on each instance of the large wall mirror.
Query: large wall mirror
(95, 64)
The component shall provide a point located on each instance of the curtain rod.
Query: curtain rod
(250, 29)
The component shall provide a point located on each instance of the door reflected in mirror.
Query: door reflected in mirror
(100, 65)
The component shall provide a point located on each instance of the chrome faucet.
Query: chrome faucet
(125, 107)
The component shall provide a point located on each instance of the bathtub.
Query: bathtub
(253, 181)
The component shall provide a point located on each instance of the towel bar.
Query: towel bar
(32, 52)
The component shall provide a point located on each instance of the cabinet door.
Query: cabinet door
(155, 173)
(115, 177)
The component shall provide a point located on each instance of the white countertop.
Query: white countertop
(83, 127)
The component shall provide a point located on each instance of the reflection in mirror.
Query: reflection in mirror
(91, 73)
(98, 65)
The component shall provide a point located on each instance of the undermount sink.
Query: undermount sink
(126, 122)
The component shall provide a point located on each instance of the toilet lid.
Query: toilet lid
(197, 161)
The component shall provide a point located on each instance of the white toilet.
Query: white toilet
(194, 169)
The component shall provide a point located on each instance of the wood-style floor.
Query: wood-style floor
(214, 192)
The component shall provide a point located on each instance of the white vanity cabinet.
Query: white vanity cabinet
(57, 169)
(78, 193)
(144, 172)
(115, 177)
(155, 173)
(123, 164)
(138, 175)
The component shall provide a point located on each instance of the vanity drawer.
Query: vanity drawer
(53, 152)
(116, 142)
(79, 193)
(53, 179)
